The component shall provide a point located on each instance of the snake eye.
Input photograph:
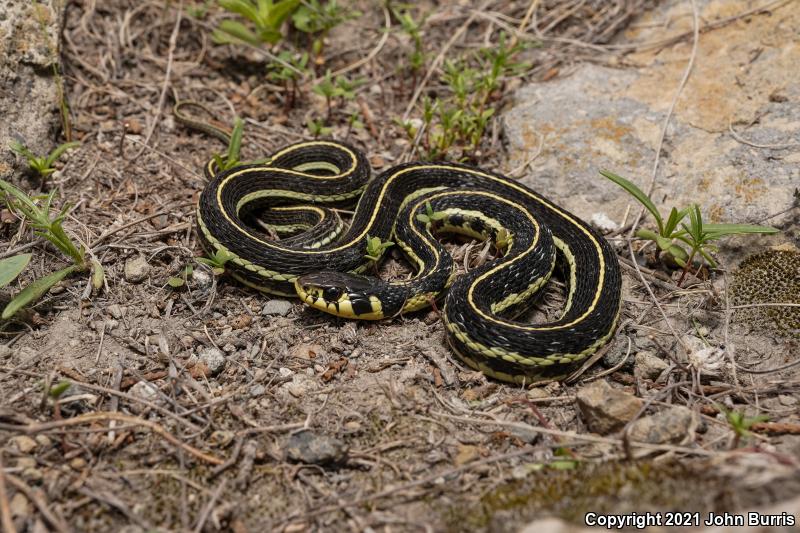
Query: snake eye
(332, 294)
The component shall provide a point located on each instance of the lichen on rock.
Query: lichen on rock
(771, 277)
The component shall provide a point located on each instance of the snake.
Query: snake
(299, 192)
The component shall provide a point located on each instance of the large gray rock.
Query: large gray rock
(611, 118)
(29, 50)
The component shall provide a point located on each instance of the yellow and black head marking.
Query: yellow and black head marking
(341, 294)
(409, 205)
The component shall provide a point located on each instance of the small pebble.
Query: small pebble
(276, 308)
(136, 269)
(213, 359)
(312, 448)
(23, 443)
(115, 310)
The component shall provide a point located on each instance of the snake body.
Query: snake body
(411, 204)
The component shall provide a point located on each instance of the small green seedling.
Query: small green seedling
(672, 233)
(741, 424)
(57, 390)
(217, 261)
(316, 127)
(416, 59)
(316, 18)
(37, 212)
(265, 16)
(375, 248)
(43, 166)
(231, 157)
(176, 282)
(288, 72)
(430, 216)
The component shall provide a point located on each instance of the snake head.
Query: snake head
(340, 294)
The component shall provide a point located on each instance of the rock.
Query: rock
(309, 447)
(276, 308)
(675, 425)
(257, 390)
(300, 385)
(18, 505)
(538, 394)
(145, 391)
(136, 269)
(285, 372)
(602, 222)
(29, 45)
(201, 279)
(648, 365)
(214, 360)
(615, 117)
(23, 443)
(605, 409)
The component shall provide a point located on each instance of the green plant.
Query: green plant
(43, 166)
(217, 261)
(317, 127)
(740, 424)
(287, 72)
(231, 158)
(339, 87)
(199, 11)
(11, 267)
(318, 18)
(375, 248)
(46, 224)
(673, 234)
(266, 18)
(180, 280)
(416, 59)
(458, 120)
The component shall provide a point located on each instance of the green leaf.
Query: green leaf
(719, 230)
(673, 220)
(98, 274)
(58, 389)
(280, 12)
(678, 253)
(60, 149)
(637, 193)
(231, 31)
(241, 7)
(35, 290)
(11, 267)
(176, 282)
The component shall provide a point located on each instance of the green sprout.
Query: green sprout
(375, 248)
(48, 225)
(314, 17)
(217, 261)
(673, 235)
(231, 157)
(740, 424)
(180, 280)
(288, 71)
(265, 16)
(416, 59)
(43, 166)
(430, 216)
(316, 127)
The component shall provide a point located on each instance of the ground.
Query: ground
(215, 407)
